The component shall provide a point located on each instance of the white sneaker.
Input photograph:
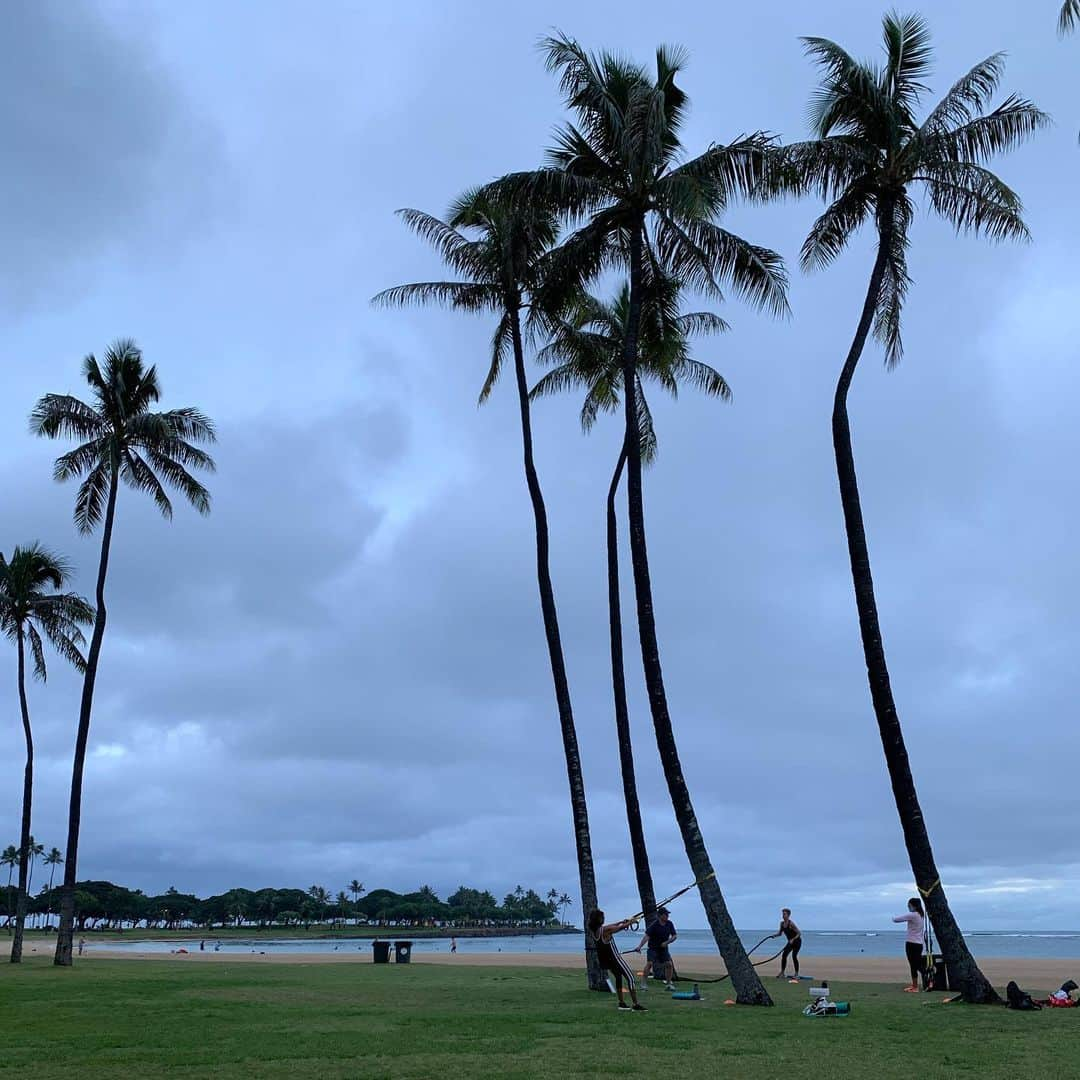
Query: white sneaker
(669, 986)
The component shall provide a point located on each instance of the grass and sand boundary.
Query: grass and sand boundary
(1040, 974)
(227, 1018)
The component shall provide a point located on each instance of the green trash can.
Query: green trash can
(382, 951)
(402, 952)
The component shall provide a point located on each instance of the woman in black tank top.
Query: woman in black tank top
(611, 960)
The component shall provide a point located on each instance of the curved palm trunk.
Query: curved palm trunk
(579, 807)
(66, 932)
(622, 712)
(28, 794)
(748, 987)
(963, 970)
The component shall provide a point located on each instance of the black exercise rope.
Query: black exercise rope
(727, 974)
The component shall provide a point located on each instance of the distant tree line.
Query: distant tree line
(101, 905)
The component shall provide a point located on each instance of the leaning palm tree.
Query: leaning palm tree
(586, 348)
(498, 247)
(120, 440)
(868, 154)
(33, 608)
(53, 858)
(621, 173)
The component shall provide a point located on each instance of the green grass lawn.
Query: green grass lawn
(149, 1019)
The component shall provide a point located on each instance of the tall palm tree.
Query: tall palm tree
(36, 851)
(120, 440)
(52, 860)
(356, 887)
(32, 607)
(621, 173)
(10, 859)
(1069, 16)
(587, 348)
(498, 246)
(868, 154)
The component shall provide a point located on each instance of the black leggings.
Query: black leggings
(791, 949)
(914, 959)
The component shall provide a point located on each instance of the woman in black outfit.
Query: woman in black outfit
(610, 958)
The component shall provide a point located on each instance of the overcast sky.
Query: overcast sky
(341, 672)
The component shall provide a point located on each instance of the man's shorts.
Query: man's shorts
(659, 955)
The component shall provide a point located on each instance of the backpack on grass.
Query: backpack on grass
(1019, 999)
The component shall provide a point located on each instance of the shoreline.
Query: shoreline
(1038, 973)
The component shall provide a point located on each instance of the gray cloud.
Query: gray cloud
(342, 672)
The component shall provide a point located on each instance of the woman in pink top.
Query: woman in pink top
(915, 918)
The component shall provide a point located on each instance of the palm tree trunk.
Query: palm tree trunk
(749, 989)
(579, 807)
(28, 794)
(642, 871)
(66, 932)
(963, 969)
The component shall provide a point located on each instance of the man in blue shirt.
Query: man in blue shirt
(659, 935)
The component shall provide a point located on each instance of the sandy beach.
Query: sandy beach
(1040, 974)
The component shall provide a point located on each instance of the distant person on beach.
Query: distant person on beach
(611, 960)
(453, 944)
(659, 935)
(82, 945)
(794, 943)
(202, 946)
(915, 918)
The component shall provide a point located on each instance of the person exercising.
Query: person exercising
(611, 960)
(794, 943)
(659, 935)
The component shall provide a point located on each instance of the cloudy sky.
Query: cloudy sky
(341, 672)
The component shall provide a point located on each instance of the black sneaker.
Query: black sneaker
(639, 1008)
(623, 1007)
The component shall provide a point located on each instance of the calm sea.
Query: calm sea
(1041, 944)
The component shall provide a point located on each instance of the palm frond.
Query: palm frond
(501, 344)
(1010, 124)
(63, 416)
(908, 53)
(896, 282)
(459, 295)
(833, 230)
(967, 97)
(972, 199)
(91, 496)
(175, 475)
(37, 652)
(1069, 16)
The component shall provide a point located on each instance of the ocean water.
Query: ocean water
(1029, 944)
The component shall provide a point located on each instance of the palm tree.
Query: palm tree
(564, 902)
(356, 888)
(10, 859)
(32, 607)
(342, 904)
(36, 849)
(867, 154)
(587, 348)
(120, 439)
(622, 173)
(497, 247)
(52, 860)
(1069, 17)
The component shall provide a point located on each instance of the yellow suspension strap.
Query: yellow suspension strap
(928, 940)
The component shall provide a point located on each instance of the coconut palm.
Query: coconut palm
(33, 608)
(10, 859)
(498, 246)
(1069, 16)
(622, 174)
(868, 156)
(120, 440)
(586, 348)
(356, 888)
(52, 860)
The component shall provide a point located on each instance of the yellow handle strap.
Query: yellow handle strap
(926, 892)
